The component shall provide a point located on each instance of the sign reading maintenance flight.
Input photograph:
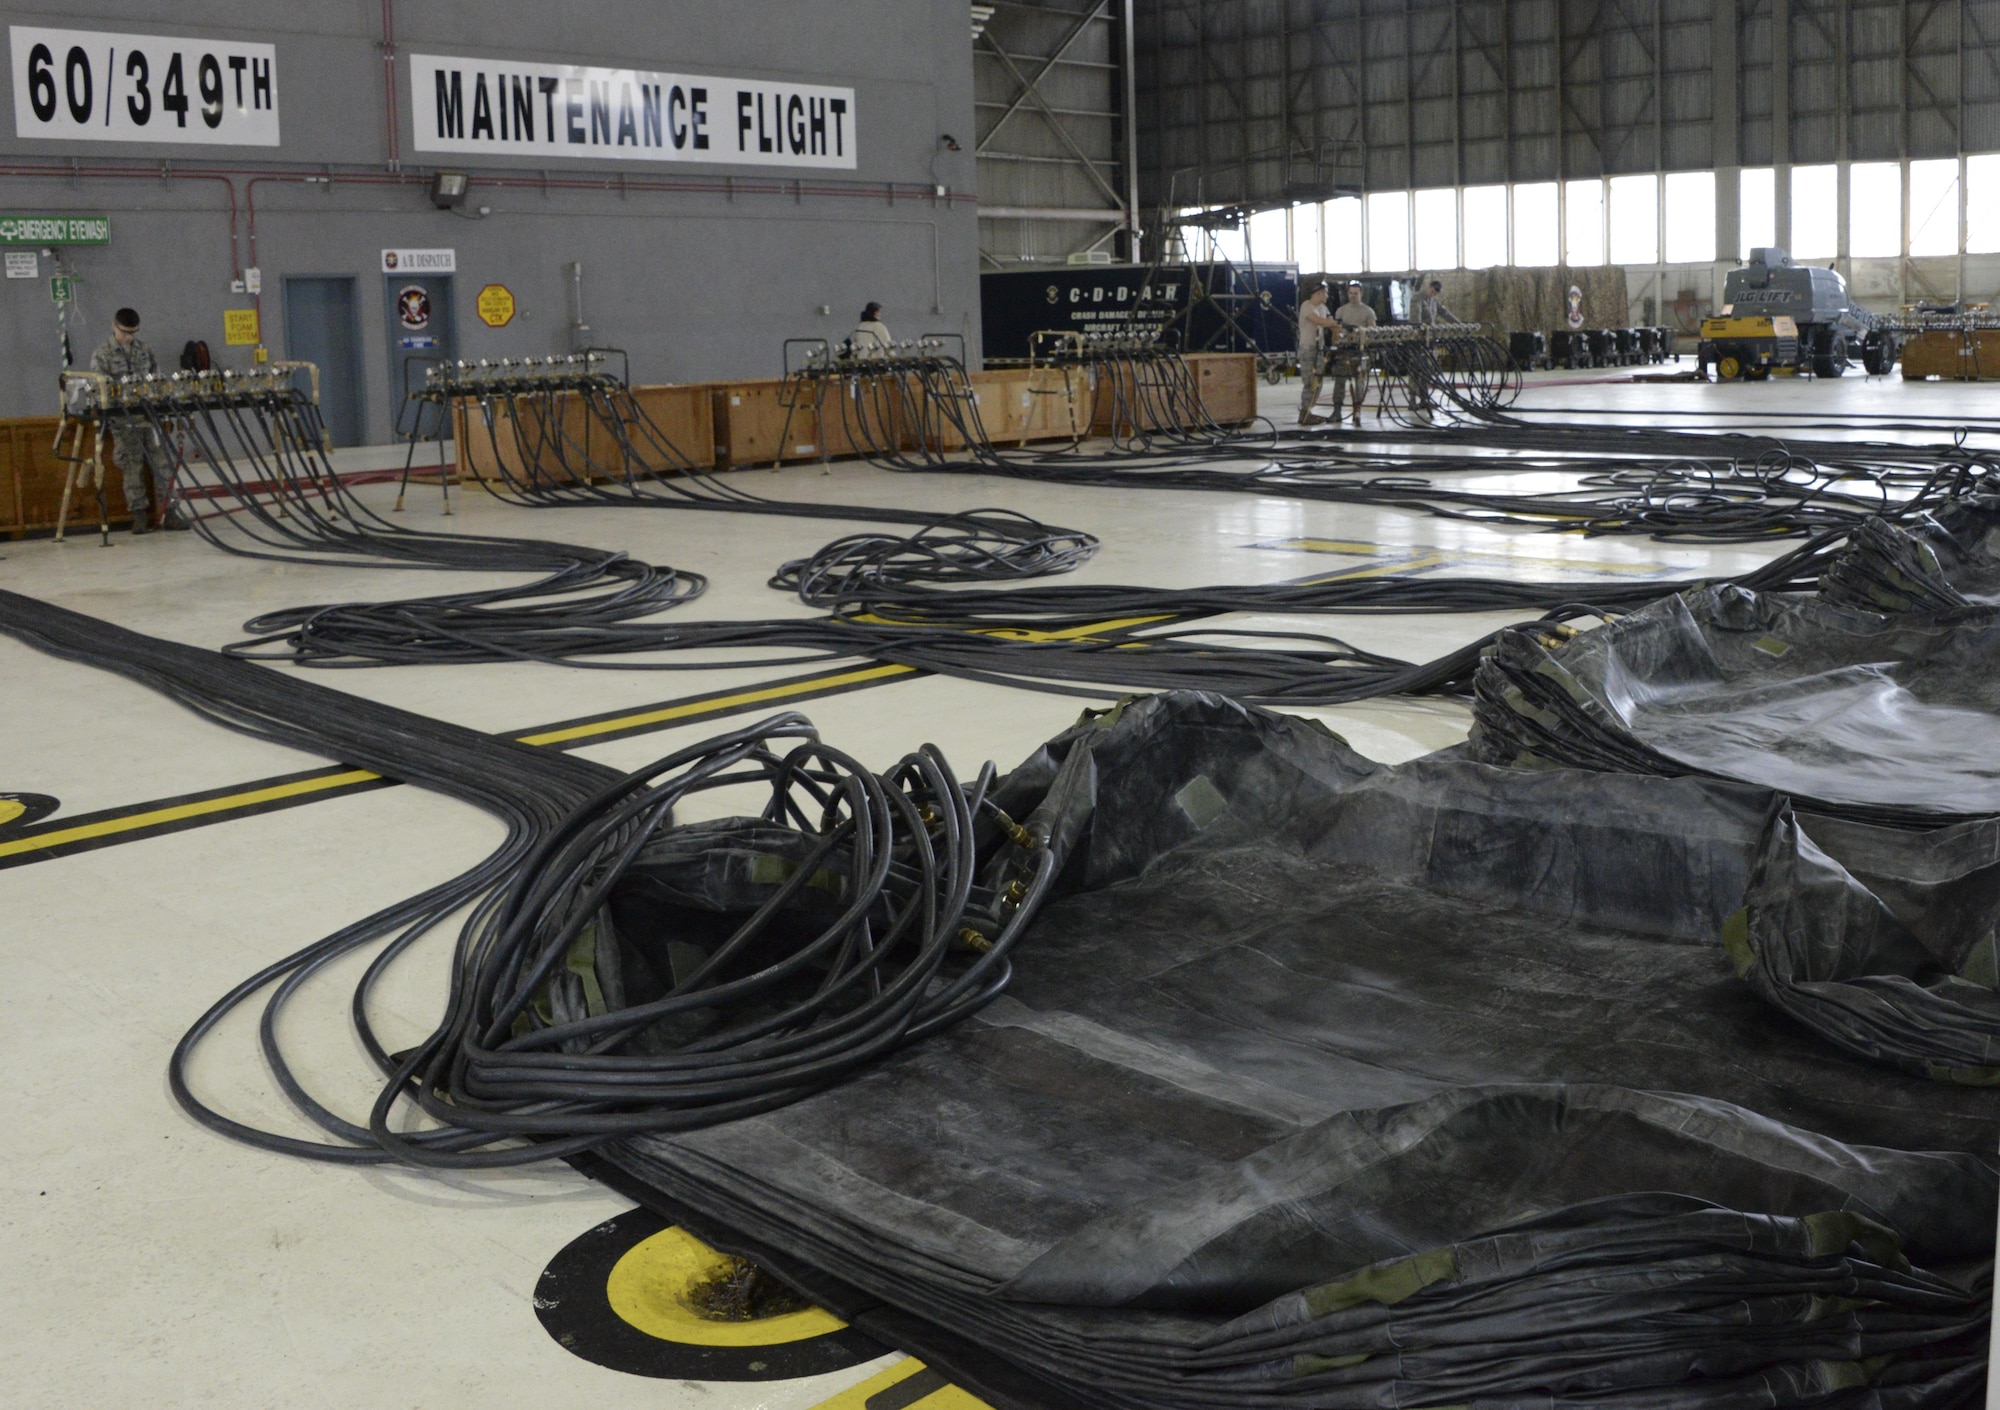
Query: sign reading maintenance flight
(84, 86)
(497, 107)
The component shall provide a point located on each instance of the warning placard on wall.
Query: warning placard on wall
(496, 305)
(501, 107)
(80, 85)
(239, 326)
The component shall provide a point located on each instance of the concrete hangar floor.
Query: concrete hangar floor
(145, 1261)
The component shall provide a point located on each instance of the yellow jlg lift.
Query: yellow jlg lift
(1783, 317)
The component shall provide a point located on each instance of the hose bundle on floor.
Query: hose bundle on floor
(959, 548)
(262, 445)
(617, 974)
(1937, 562)
(1268, 1114)
(635, 976)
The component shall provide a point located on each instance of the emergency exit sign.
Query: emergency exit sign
(55, 229)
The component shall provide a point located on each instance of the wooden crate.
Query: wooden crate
(31, 480)
(1225, 382)
(1017, 405)
(1228, 385)
(1022, 404)
(753, 426)
(1972, 355)
(685, 416)
(681, 413)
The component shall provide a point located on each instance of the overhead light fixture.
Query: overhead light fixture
(448, 189)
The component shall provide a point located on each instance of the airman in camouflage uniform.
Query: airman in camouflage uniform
(135, 444)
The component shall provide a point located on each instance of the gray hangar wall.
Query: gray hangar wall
(699, 267)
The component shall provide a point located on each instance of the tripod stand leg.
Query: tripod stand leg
(403, 485)
(69, 481)
(97, 485)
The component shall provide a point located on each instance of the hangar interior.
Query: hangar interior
(750, 706)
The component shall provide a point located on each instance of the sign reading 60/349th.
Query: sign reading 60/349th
(85, 86)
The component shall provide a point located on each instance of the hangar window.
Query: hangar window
(1437, 229)
(1194, 238)
(1875, 209)
(1757, 190)
(1307, 248)
(1341, 221)
(1269, 233)
(1815, 212)
(1635, 220)
(1583, 222)
(1485, 226)
(1537, 237)
(1982, 205)
(1230, 245)
(1388, 230)
(1689, 211)
(1934, 208)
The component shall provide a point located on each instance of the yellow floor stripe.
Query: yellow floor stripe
(1423, 560)
(704, 707)
(251, 798)
(944, 1397)
(1352, 548)
(1083, 633)
(247, 799)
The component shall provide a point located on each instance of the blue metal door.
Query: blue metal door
(321, 328)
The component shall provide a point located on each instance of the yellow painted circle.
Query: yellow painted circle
(649, 1289)
(1730, 368)
(10, 809)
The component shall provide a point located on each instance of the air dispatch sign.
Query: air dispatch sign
(504, 108)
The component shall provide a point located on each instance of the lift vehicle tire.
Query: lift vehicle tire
(1878, 354)
(1728, 369)
(1756, 374)
(1833, 361)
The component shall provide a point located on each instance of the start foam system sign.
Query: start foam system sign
(79, 85)
(504, 108)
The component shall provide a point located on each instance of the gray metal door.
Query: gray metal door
(321, 327)
(421, 324)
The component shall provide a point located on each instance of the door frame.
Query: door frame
(353, 340)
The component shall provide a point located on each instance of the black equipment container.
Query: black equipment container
(1568, 349)
(1218, 307)
(1528, 350)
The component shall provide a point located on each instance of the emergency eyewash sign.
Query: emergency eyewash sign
(85, 86)
(494, 107)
